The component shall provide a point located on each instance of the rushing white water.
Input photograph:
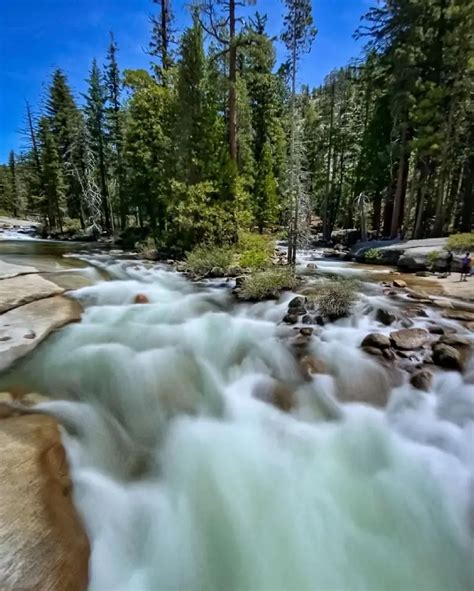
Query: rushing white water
(187, 479)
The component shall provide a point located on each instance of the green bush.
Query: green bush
(255, 250)
(433, 257)
(373, 255)
(202, 259)
(336, 298)
(267, 284)
(461, 242)
(71, 225)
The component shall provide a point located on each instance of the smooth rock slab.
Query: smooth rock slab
(409, 338)
(22, 329)
(43, 545)
(8, 270)
(24, 289)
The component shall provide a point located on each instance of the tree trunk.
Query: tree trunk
(425, 175)
(400, 190)
(328, 171)
(103, 183)
(232, 84)
(439, 215)
(467, 195)
(377, 213)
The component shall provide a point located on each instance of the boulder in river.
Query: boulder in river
(385, 316)
(141, 298)
(376, 340)
(455, 340)
(399, 283)
(409, 338)
(462, 315)
(44, 545)
(376, 352)
(422, 380)
(297, 302)
(447, 357)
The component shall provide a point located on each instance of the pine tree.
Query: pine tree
(297, 36)
(95, 119)
(114, 125)
(162, 38)
(53, 200)
(15, 202)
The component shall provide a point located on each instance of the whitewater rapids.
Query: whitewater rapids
(186, 479)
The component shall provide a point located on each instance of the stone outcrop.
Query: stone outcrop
(43, 545)
(8, 270)
(24, 289)
(409, 339)
(376, 340)
(23, 328)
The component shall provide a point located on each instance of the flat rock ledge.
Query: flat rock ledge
(23, 289)
(23, 328)
(43, 545)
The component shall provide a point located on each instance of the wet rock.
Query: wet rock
(47, 546)
(234, 271)
(23, 289)
(385, 317)
(421, 313)
(311, 366)
(307, 319)
(435, 329)
(7, 270)
(376, 340)
(455, 340)
(141, 298)
(290, 319)
(39, 318)
(311, 266)
(216, 272)
(239, 281)
(422, 380)
(297, 302)
(300, 342)
(389, 354)
(423, 274)
(409, 338)
(462, 315)
(470, 326)
(447, 357)
(399, 283)
(307, 331)
(373, 351)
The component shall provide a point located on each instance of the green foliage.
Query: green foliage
(373, 255)
(202, 259)
(71, 226)
(433, 257)
(255, 250)
(461, 242)
(267, 284)
(336, 298)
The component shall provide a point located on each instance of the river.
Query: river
(187, 478)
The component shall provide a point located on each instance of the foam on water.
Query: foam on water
(187, 480)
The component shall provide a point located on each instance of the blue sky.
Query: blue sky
(38, 35)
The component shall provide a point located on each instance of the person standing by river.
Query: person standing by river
(449, 262)
(466, 267)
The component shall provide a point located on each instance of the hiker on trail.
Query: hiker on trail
(449, 262)
(466, 267)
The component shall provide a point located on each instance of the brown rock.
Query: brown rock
(447, 357)
(296, 302)
(399, 283)
(455, 340)
(470, 326)
(377, 340)
(283, 397)
(458, 315)
(44, 546)
(435, 329)
(306, 331)
(389, 354)
(311, 365)
(422, 380)
(141, 298)
(373, 351)
(409, 338)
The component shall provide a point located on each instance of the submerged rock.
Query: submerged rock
(141, 298)
(422, 380)
(409, 338)
(399, 283)
(376, 340)
(44, 545)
